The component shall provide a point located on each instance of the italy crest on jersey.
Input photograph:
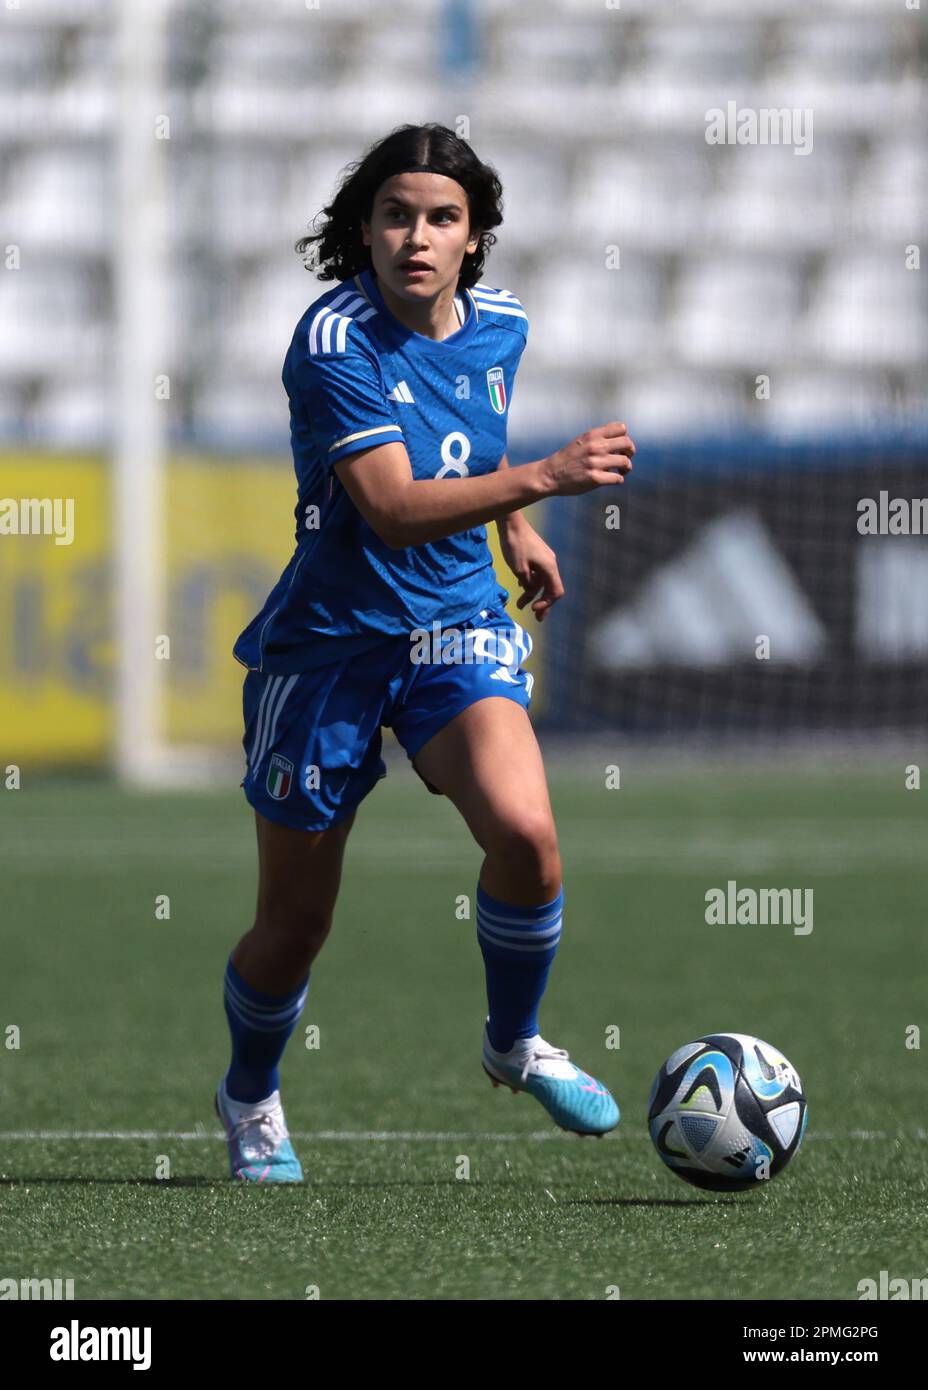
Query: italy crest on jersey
(279, 775)
(497, 389)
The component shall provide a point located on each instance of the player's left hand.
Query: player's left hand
(534, 564)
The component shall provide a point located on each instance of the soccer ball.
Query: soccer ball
(726, 1111)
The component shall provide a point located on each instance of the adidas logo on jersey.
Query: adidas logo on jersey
(401, 392)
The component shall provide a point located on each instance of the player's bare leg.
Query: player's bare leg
(487, 762)
(265, 986)
(299, 877)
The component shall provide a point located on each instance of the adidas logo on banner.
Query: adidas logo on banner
(892, 599)
(401, 392)
(706, 606)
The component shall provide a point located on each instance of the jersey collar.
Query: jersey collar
(366, 283)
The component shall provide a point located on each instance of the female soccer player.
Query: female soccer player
(389, 613)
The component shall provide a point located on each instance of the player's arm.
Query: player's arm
(512, 521)
(406, 511)
(531, 560)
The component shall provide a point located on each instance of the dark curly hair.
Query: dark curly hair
(337, 251)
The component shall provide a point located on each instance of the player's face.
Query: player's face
(424, 217)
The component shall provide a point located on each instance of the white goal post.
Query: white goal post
(141, 753)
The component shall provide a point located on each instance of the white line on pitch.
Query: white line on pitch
(348, 1136)
(385, 1136)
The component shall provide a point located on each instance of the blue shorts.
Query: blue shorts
(312, 741)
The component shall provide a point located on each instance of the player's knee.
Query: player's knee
(292, 925)
(527, 844)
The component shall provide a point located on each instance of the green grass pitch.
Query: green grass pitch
(122, 1038)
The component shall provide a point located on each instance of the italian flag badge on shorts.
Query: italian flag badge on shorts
(279, 776)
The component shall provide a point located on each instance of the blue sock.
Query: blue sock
(518, 945)
(260, 1025)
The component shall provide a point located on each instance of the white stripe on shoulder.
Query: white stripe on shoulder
(493, 301)
(488, 291)
(495, 308)
(328, 331)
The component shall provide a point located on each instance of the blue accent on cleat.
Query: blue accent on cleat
(259, 1146)
(577, 1102)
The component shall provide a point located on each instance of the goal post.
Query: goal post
(142, 755)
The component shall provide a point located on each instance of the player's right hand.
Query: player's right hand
(599, 457)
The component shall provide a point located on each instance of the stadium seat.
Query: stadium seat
(61, 199)
(588, 317)
(616, 195)
(870, 310)
(890, 198)
(736, 311)
(679, 403)
(51, 316)
(804, 403)
(732, 258)
(73, 415)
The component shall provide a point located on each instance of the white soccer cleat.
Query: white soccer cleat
(259, 1143)
(575, 1100)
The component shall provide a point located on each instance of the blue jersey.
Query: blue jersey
(357, 377)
